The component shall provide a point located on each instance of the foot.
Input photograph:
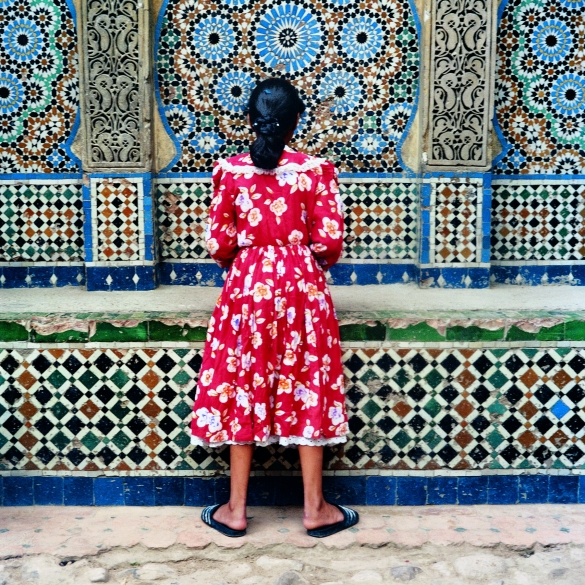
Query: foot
(323, 515)
(235, 519)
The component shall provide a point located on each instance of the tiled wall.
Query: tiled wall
(356, 66)
(39, 86)
(501, 393)
(381, 219)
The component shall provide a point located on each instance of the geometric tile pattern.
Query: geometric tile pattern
(38, 86)
(538, 222)
(380, 219)
(540, 87)
(118, 220)
(356, 66)
(465, 409)
(128, 409)
(182, 212)
(456, 216)
(41, 223)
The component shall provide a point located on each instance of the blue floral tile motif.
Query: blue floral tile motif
(208, 60)
(22, 39)
(38, 86)
(395, 120)
(568, 95)
(361, 38)
(207, 142)
(213, 39)
(233, 90)
(540, 88)
(288, 35)
(343, 89)
(552, 40)
(180, 120)
(11, 97)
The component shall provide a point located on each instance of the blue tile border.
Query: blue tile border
(374, 490)
(121, 278)
(40, 276)
(539, 274)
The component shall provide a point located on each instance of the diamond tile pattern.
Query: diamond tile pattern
(538, 222)
(380, 220)
(182, 213)
(128, 409)
(117, 220)
(455, 222)
(41, 223)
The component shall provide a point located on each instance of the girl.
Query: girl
(271, 370)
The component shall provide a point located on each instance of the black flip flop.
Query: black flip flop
(350, 518)
(207, 517)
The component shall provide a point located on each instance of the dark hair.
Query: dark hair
(273, 108)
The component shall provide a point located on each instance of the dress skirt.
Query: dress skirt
(271, 370)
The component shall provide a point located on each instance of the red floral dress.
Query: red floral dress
(271, 370)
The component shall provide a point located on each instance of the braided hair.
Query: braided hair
(273, 108)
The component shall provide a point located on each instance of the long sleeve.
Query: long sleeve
(326, 221)
(221, 234)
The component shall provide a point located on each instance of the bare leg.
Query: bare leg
(317, 511)
(233, 514)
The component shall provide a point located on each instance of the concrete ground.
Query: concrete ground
(383, 297)
(477, 545)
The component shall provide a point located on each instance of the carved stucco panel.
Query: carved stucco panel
(116, 94)
(460, 83)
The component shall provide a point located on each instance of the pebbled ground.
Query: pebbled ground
(491, 545)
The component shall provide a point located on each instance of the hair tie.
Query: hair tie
(268, 126)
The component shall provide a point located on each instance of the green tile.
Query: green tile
(401, 439)
(57, 379)
(60, 441)
(418, 332)
(556, 333)
(474, 333)
(575, 331)
(362, 332)
(119, 410)
(161, 332)
(11, 331)
(108, 332)
(121, 440)
(516, 334)
(63, 337)
(90, 441)
(59, 410)
(370, 409)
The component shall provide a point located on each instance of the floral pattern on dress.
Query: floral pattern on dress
(271, 369)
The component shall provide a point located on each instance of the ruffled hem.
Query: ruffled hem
(282, 441)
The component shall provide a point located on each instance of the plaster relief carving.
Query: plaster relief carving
(460, 83)
(114, 97)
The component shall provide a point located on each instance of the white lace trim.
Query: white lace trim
(249, 170)
(283, 441)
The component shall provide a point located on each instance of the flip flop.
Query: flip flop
(207, 517)
(350, 518)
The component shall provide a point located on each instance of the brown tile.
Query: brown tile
(529, 378)
(150, 379)
(528, 410)
(89, 409)
(465, 408)
(401, 409)
(463, 438)
(28, 410)
(561, 378)
(466, 379)
(527, 439)
(26, 379)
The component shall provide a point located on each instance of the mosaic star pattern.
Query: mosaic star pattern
(532, 222)
(356, 66)
(380, 220)
(540, 86)
(455, 222)
(117, 220)
(128, 409)
(38, 85)
(41, 223)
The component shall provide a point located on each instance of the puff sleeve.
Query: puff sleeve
(326, 221)
(221, 234)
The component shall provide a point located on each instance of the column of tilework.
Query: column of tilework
(456, 194)
(117, 113)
